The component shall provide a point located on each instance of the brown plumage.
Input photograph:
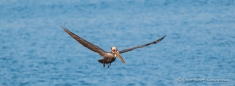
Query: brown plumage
(108, 57)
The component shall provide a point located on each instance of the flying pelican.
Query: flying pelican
(108, 57)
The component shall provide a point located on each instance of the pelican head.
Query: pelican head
(113, 49)
(116, 53)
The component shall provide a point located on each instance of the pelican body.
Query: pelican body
(108, 57)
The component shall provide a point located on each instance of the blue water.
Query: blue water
(199, 42)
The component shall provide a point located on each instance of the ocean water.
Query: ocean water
(198, 48)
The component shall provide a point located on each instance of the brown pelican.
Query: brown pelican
(108, 57)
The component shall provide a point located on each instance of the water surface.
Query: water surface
(35, 51)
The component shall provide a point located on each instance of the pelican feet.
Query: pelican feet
(109, 65)
(102, 61)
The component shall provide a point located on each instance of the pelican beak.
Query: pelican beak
(119, 56)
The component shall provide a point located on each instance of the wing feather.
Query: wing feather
(84, 42)
(140, 46)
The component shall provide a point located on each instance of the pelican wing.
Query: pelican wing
(140, 46)
(84, 42)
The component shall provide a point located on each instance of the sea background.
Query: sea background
(199, 42)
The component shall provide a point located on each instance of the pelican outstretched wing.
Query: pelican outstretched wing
(140, 46)
(84, 42)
